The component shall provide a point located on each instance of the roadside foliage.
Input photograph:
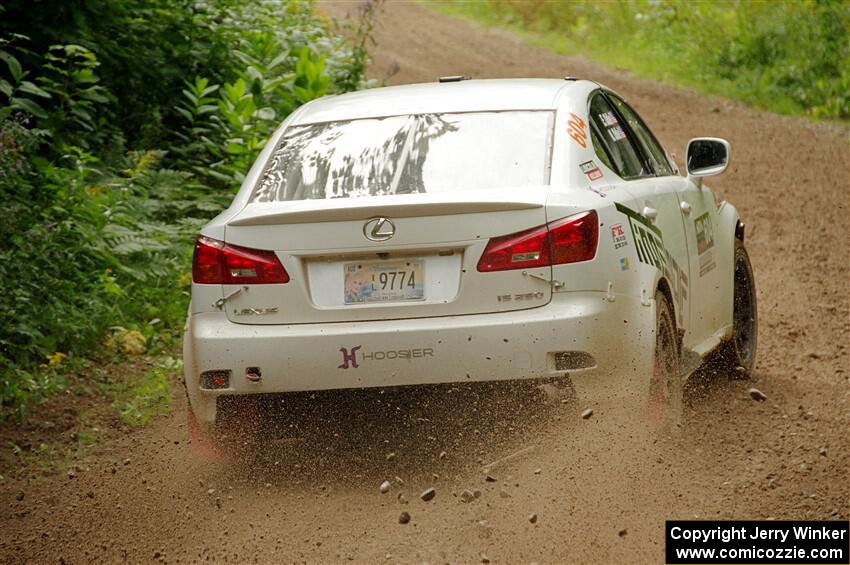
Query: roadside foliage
(124, 126)
(788, 56)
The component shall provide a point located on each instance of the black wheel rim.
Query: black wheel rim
(745, 312)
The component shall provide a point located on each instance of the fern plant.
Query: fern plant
(19, 92)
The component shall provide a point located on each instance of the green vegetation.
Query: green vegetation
(788, 56)
(124, 126)
(149, 396)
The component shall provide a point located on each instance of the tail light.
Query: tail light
(216, 262)
(568, 240)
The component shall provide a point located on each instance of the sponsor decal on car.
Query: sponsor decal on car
(608, 119)
(590, 170)
(649, 244)
(616, 133)
(705, 241)
(349, 357)
(350, 360)
(706, 263)
(648, 239)
(577, 130)
(618, 234)
(612, 126)
(705, 233)
(624, 264)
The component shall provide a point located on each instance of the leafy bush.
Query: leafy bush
(790, 56)
(149, 396)
(111, 160)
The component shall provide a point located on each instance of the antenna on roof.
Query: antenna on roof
(570, 77)
(454, 78)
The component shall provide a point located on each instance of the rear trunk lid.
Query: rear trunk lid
(423, 263)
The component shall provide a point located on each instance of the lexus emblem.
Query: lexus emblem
(379, 229)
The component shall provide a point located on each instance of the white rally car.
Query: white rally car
(469, 231)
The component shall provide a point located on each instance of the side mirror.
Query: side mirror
(707, 156)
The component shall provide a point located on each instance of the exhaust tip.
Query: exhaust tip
(215, 379)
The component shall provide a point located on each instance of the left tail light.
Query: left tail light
(216, 262)
(568, 240)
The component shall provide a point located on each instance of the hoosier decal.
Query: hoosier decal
(350, 360)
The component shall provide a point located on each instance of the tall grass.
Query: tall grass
(788, 56)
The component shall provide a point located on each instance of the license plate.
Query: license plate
(386, 281)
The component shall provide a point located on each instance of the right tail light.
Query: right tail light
(568, 240)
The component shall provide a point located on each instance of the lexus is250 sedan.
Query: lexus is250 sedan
(463, 231)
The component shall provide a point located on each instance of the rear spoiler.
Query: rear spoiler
(401, 206)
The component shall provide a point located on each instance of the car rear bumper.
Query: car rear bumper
(601, 344)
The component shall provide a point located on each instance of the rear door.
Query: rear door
(698, 214)
(387, 218)
(652, 215)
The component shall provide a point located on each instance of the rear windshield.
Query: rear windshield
(409, 154)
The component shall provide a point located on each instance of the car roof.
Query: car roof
(436, 97)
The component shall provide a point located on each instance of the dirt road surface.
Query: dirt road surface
(601, 488)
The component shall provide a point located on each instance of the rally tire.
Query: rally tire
(738, 354)
(665, 389)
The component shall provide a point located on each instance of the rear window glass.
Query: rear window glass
(408, 155)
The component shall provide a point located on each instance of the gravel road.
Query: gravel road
(563, 489)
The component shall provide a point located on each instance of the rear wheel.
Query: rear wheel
(665, 389)
(738, 355)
